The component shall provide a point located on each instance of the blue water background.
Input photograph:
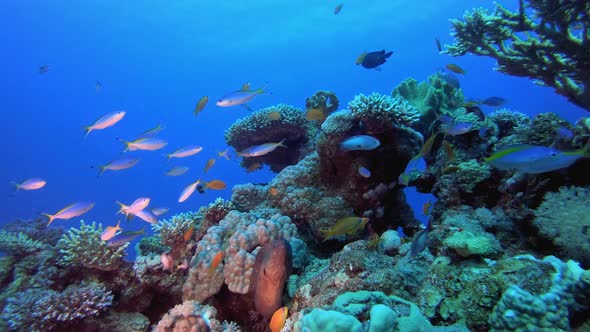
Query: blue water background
(155, 59)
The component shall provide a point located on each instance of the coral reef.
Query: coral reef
(383, 110)
(261, 127)
(172, 233)
(47, 310)
(190, 314)
(563, 220)
(83, 247)
(18, 244)
(539, 41)
(326, 101)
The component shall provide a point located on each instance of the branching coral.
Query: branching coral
(84, 247)
(563, 219)
(172, 231)
(272, 124)
(546, 40)
(46, 310)
(18, 244)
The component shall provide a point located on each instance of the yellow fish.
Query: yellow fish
(345, 226)
(201, 105)
(360, 58)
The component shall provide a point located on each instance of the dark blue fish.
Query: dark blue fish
(375, 59)
(419, 242)
(494, 101)
(459, 129)
(124, 237)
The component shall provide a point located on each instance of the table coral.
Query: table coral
(84, 247)
(261, 127)
(540, 41)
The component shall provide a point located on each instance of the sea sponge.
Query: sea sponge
(84, 247)
(272, 124)
(564, 220)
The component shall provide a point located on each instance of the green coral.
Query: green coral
(384, 109)
(546, 40)
(84, 247)
(19, 244)
(149, 245)
(431, 98)
(471, 173)
(563, 218)
(272, 125)
(544, 128)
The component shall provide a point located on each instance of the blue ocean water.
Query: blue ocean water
(155, 59)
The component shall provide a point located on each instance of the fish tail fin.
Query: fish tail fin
(127, 143)
(282, 143)
(142, 231)
(387, 55)
(16, 185)
(51, 218)
(102, 170)
(87, 131)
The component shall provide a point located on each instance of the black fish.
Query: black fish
(375, 59)
(419, 243)
(494, 101)
(438, 45)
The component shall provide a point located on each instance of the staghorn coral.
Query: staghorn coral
(83, 247)
(19, 244)
(563, 219)
(260, 128)
(384, 109)
(46, 310)
(539, 41)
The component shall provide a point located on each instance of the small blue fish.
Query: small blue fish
(360, 142)
(364, 172)
(124, 237)
(459, 129)
(535, 159)
(400, 232)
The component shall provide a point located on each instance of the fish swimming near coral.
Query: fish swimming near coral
(146, 215)
(159, 211)
(124, 237)
(146, 143)
(184, 152)
(70, 211)
(419, 243)
(224, 154)
(534, 159)
(449, 151)
(458, 129)
(118, 165)
(272, 267)
(278, 319)
(239, 97)
(201, 105)
(188, 191)
(217, 259)
(254, 167)
(345, 226)
(110, 231)
(261, 150)
(373, 59)
(188, 233)
(426, 208)
(360, 142)
(105, 121)
(177, 171)
(438, 45)
(215, 185)
(137, 205)
(31, 184)
(454, 68)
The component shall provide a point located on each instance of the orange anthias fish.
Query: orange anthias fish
(426, 208)
(110, 231)
(273, 191)
(216, 185)
(278, 319)
(215, 262)
(455, 69)
(253, 167)
(188, 234)
(201, 105)
(209, 164)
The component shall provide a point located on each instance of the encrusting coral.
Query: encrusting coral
(83, 247)
(542, 41)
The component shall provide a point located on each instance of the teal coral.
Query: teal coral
(19, 243)
(471, 173)
(537, 42)
(83, 247)
(562, 218)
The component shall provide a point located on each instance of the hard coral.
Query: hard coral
(18, 244)
(172, 231)
(383, 109)
(83, 247)
(563, 219)
(326, 101)
(47, 310)
(263, 127)
(196, 316)
(539, 41)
